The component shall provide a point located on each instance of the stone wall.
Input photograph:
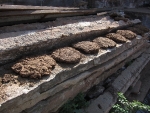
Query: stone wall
(74, 3)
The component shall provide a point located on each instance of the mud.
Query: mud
(105, 43)
(116, 37)
(67, 55)
(35, 67)
(87, 47)
(127, 34)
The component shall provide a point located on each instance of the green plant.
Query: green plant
(74, 105)
(124, 106)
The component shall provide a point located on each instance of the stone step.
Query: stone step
(64, 77)
(17, 44)
(105, 102)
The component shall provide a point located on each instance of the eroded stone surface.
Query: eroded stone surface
(127, 34)
(121, 18)
(105, 42)
(67, 55)
(35, 67)
(87, 47)
(116, 37)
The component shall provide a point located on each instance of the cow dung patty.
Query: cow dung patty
(136, 30)
(127, 34)
(87, 47)
(141, 27)
(67, 55)
(35, 67)
(116, 37)
(105, 42)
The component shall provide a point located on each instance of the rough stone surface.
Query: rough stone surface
(136, 88)
(116, 37)
(104, 102)
(105, 42)
(87, 47)
(16, 44)
(35, 67)
(49, 88)
(67, 55)
(91, 76)
(121, 18)
(95, 92)
(127, 34)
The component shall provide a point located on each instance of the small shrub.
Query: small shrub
(124, 106)
(74, 105)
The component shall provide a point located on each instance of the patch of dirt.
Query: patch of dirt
(116, 37)
(127, 34)
(105, 43)
(87, 47)
(67, 55)
(35, 67)
(136, 30)
(142, 27)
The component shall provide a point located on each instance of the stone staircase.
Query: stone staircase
(49, 93)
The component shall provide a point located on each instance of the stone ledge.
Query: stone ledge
(28, 100)
(84, 81)
(121, 84)
(16, 44)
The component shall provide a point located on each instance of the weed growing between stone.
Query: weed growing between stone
(75, 105)
(124, 106)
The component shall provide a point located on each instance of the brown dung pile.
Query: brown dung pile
(116, 37)
(136, 30)
(87, 47)
(127, 34)
(105, 43)
(67, 55)
(35, 67)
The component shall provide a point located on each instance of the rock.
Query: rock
(136, 88)
(127, 34)
(87, 47)
(121, 18)
(105, 42)
(35, 67)
(95, 92)
(67, 55)
(116, 37)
